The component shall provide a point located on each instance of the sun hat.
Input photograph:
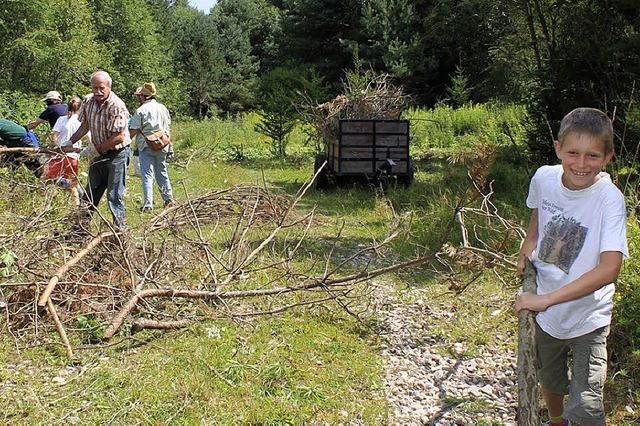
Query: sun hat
(54, 94)
(137, 91)
(149, 89)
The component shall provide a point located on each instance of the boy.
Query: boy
(576, 240)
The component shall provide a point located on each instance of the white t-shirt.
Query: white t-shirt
(574, 227)
(66, 127)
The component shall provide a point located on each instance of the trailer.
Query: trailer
(375, 150)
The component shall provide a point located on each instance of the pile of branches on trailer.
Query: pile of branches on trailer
(231, 253)
(367, 95)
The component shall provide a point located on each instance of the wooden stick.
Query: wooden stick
(68, 265)
(26, 150)
(528, 397)
(142, 323)
(59, 327)
(312, 283)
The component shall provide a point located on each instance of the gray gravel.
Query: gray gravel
(429, 383)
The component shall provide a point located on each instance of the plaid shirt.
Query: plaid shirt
(106, 119)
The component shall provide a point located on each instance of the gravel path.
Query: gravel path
(426, 386)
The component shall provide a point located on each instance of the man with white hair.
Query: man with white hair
(107, 117)
(55, 109)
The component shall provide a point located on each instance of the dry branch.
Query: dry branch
(239, 249)
(378, 98)
(486, 236)
(59, 327)
(141, 324)
(42, 300)
(25, 150)
(311, 283)
(222, 203)
(528, 398)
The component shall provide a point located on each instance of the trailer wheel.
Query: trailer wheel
(322, 180)
(407, 179)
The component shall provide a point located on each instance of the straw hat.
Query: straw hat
(149, 89)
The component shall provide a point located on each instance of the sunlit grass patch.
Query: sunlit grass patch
(294, 368)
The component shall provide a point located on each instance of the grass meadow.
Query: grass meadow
(310, 365)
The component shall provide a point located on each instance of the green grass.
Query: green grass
(292, 369)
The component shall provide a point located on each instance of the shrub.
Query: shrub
(21, 108)
(625, 336)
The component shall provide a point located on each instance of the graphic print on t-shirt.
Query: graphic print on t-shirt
(562, 241)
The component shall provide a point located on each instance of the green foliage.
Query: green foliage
(397, 42)
(281, 90)
(261, 21)
(235, 76)
(423, 42)
(214, 55)
(7, 260)
(626, 318)
(50, 45)
(445, 128)
(577, 56)
(93, 327)
(321, 34)
(196, 49)
(19, 107)
(277, 124)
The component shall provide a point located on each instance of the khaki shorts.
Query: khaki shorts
(576, 367)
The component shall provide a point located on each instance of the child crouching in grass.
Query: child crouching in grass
(576, 240)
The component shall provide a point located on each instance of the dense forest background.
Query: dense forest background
(549, 55)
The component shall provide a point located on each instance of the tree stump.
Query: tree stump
(528, 397)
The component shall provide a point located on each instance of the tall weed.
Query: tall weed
(444, 128)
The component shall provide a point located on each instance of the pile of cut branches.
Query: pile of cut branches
(231, 253)
(367, 95)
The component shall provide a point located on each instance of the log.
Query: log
(68, 265)
(528, 396)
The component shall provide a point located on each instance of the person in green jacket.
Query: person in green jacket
(13, 135)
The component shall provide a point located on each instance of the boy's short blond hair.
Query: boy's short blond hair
(591, 121)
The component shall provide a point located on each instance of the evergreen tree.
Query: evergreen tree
(261, 21)
(235, 76)
(322, 34)
(196, 54)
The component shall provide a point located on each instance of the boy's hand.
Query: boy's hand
(532, 302)
(520, 265)
(526, 251)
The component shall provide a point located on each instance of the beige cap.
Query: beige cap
(52, 95)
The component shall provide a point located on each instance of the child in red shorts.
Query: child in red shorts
(64, 168)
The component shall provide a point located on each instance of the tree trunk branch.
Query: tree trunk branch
(528, 399)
